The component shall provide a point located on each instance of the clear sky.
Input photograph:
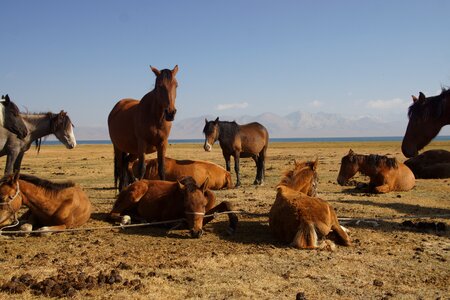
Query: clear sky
(235, 57)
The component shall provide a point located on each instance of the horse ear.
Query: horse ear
(295, 162)
(156, 71)
(180, 185)
(7, 100)
(421, 96)
(206, 120)
(217, 120)
(175, 70)
(315, 163)
(205, 185)
(414, 98)
(350, 152)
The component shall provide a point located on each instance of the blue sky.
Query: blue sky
(235, 57)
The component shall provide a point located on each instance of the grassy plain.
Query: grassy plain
(387, 261)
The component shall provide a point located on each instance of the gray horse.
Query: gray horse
(39, 126)
(11, 119)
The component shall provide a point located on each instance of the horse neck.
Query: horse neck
(33, 195)
(150, 103)
(38, 125)
(225, 127)
(365, 167)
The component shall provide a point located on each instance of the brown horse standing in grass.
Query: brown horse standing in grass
(430, 164)
(248, 140)
(299, 218)
(386, 174)
(218, 177)
(156, 200)
(426, 118)
(140, 127)
(56, 206)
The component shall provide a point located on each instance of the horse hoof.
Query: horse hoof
(26, 227)
(44, 232)
(125, 220)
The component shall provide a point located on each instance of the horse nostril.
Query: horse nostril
(196, 233)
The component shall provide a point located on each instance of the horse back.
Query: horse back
(254, 137)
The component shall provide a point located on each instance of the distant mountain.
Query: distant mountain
(297, 124)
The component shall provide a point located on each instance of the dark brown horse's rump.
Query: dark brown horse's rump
(430, 164)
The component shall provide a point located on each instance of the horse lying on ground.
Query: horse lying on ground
(218, 177)
(300, 219)
(156, 200)
(430, 164)
(56, 206)
(386, 174)
(427, 115)
(248, 140)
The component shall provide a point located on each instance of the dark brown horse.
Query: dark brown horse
(426, 118)
(199, 170)
(430, 164)
(10, 118)
(140, 127)
(297, 216)
(56, 206)
(386, 174)
(157, 200)
(248, 140)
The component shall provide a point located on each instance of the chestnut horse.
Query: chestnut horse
(426, 118)
(10, 118)
(156, 200)
(297, 216)
(56, 206)
(140, 127)
(248, 140)
(386, 174)
(430, 164)
(218, 177)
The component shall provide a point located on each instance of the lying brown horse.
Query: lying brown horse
(156, 200)
(56, 206)
(140, 127)
(430, 164)
(218, 177)
(249, 140)
(299, 218)
(386, 174)
(426, 118)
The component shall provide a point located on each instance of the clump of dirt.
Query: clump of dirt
(66, 284)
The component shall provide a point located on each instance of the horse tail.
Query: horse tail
(38, 144)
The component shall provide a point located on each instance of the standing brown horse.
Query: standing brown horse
(156, 200)
(140, 127)
(56, 206)
(248, 140)
(297, 216)
(426, 118)
(386, 174)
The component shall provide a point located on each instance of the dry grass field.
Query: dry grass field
(388, 260)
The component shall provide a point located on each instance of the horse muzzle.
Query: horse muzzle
(196, 233)
(341, 181)
(169, 116)
(207, 147)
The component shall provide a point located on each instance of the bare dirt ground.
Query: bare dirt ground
(393, 260)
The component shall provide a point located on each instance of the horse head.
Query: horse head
(211, 131)
(166, 85)
(195, 201)
(349, 167)
(10, 198)
(423, 124)
(304, 177)
(62, 128)
(11, 119)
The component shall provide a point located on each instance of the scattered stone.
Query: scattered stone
(300, 296)
(378, 283)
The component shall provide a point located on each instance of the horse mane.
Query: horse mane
(164, 77)
(189, 183)
(430, 107)
(46, 184)
(228, 128)
(376, 160)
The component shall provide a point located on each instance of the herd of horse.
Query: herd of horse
(164, 189)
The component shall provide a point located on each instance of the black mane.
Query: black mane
(228, 129)
(46, 184)
(430, 107)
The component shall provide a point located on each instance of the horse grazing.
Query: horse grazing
(386, 174)
(297, 216)
(218, 177)
(157, 200)
(248, 140)
(140, 127)
(430, 164)
(39, 126)
(426, 118)
(56, 206)
(10, 118)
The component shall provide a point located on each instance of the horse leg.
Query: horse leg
(18, 162)
(257, 179)
(381, 189)
(227, 162)
(236, 169)
(222, 207)
(125, 201)
(47, 230)
(306, 237)
(161, 167)
(10, 160)
(262, 166)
